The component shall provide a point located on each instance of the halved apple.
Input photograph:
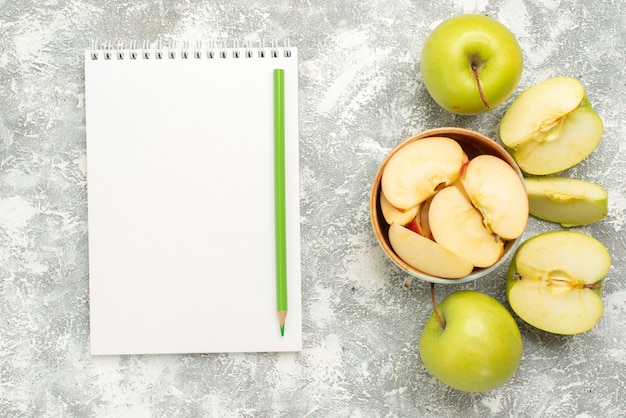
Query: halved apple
(394, 215)
(568, 201)
(417, 170)
(426, 255)
(551, 126)
(555, 281)
(497, 191)
(458, 226)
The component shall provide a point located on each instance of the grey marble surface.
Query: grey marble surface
(360, 94)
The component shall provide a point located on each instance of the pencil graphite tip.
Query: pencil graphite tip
(282, 330)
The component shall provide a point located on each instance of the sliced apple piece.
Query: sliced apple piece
(551, 126)
(555, 281)
(394, 215)
(498, 192)
(426, 255)
(538, 110)
(459, 227)
(568, 201)
(417, 170)
(423, 218)
(415, 225)
(419, 223)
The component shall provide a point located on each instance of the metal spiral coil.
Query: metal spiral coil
(120, 49)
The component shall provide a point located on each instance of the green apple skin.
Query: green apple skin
(480, 347)
(452, 48)
(555, 281)
(567, 201)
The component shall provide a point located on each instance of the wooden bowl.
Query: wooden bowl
(473, 144)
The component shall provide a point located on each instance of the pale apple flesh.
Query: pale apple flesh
(424, 222)
(469, 208)
(552, 101)
(555, 280)
(394, 215)
(426, 255)
(567, 201)
(551, 126)
(417, 170)
(459, 227)
(579, 135)
(498, 192)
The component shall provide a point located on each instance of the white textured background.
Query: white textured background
(360, 95)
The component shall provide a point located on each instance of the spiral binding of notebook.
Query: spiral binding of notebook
(121, 50)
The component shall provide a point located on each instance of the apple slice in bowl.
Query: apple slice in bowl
(395, 215)
(416, 171)
(427, 255)
(459, 227)
(498, 193)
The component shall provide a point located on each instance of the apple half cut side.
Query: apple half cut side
(416, 171)
(426, 255)
(567, 201)
(458, 226)
(498, 192)
(551, 126)
(555, 280)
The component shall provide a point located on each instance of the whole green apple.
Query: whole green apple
(471, 64)
(471, 342)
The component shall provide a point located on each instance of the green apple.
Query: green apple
(568, 201)
(551, 126)
(471, 342)
(471, 64)
(555, 281)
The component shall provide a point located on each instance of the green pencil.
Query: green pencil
(279, 197)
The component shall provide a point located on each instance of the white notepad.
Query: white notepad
(181, 203)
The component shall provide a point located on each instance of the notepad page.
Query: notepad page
(181, 204)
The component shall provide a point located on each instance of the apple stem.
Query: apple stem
(480, 87)
(442, 321)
